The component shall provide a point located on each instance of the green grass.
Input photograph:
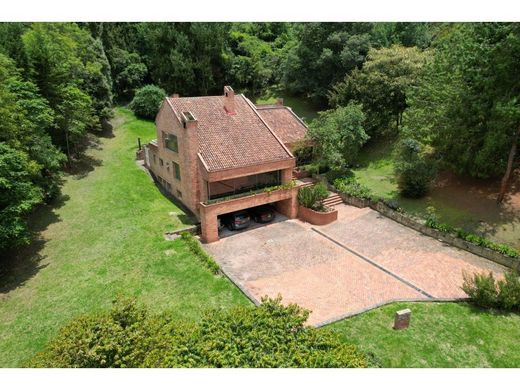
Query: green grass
(104, 237)
(440, 335)
(301, 106)
(461, 202)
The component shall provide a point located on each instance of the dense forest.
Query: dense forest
(448, 92)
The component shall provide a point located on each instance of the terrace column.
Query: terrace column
(209, 225)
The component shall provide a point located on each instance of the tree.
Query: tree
(147, 101)
(18, 195)
(414, 168)
(381, 86)
(466, 105)
(325, 53)
(270, 335)
(338, 135)
(129, 72)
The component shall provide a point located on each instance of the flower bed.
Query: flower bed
(317, 217)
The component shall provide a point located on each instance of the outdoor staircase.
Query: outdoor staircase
(333, 200)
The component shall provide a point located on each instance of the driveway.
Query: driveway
(361, 261)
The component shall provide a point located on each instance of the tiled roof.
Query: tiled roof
(231, 141)
(284, 122)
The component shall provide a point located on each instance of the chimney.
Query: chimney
(279, 101)
(229, 100)
(175, 95)
(188, 120)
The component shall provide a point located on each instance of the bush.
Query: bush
(414, 168)
(194, 246)
(312, 196)
(270, 335)
(147, 101)
(486, 292)
(350, 186)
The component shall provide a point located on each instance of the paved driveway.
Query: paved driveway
(358, 262)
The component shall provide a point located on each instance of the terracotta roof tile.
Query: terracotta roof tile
(284, 122)
(231, 141)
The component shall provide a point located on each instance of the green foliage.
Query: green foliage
(202, 256)
(18, 195)
(466, 103)
(271, 335)
(147, 101)
(323, 54)
(487, 292)
(432, 221)
(381, 86)
(414, 168)
(338, 135)
(350, 186)
(129, 72)
(312, 197)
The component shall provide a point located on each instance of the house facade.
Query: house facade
(219, 154)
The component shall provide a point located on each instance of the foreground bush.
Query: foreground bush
(147, 101)
(485, 291)
(271, 335)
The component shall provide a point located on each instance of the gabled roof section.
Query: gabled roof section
(231, 141)
(284, 122)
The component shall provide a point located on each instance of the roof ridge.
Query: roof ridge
(266, 125)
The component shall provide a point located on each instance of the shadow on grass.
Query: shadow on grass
(188, 218)
(83, 165)
(19, 265)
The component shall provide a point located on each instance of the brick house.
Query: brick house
(218, 154)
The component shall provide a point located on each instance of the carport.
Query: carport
(284, 200)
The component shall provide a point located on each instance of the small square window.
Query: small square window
(179, 194)
(161, 162)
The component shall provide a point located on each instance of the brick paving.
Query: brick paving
(358, 262)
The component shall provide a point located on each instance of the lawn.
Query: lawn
(440, 335)
(461, 202)
(103, 238)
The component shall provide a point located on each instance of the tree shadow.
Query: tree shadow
(18, 265)
(83, 165)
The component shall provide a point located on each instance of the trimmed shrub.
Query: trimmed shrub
(147, 101)
(312, 197)
(194, 246)
(270, 335)
(487, 292)
(414, 168)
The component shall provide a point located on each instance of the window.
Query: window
(170, 142)
(177, 170)
(179, 194)
(161, 162)
(154, 159)
(169, 186)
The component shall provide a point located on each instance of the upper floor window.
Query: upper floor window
(170, 142)
(161, 162)
(177, 170)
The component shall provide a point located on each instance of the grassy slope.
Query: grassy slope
(440, 335)
(104, 239)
